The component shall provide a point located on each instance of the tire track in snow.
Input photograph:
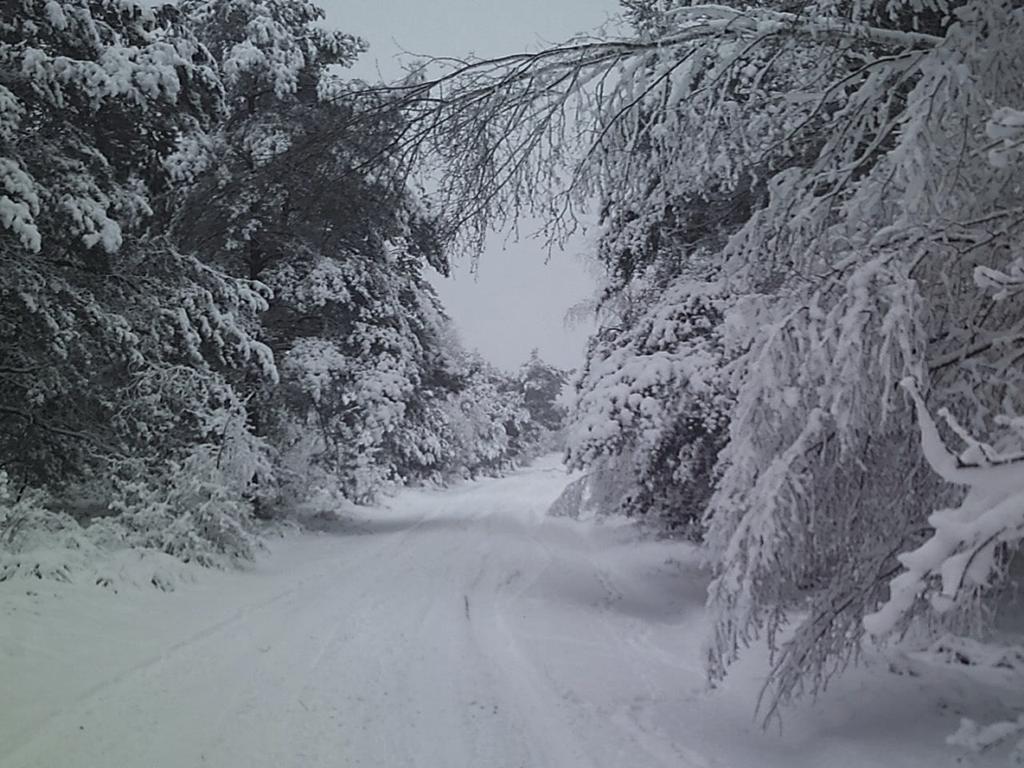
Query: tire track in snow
(536, 701)
(637, 718)
(633, 720)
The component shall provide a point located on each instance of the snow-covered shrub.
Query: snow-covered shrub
(198, 507)
(35, 540)
(40, 543)
(351, 404)
(193, 512)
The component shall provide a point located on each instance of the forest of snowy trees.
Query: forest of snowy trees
(214, 304)
(810, 337)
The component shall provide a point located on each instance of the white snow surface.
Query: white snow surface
(446, 629)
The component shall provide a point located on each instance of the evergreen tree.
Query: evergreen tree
(542, 386)
(652, 403)
(300, 188)
(113, 339)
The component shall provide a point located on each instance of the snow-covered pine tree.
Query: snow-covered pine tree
(542, 385)
(488, 419)
(651, 405)
(114, 342)
(111, 338)
(301, 189)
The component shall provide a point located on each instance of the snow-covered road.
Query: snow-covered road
(454, 629)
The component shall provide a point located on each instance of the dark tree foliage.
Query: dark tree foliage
(542, 385)
(108, 336)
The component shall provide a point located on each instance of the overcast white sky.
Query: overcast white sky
(516, 301)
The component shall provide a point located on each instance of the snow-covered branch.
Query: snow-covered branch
(961, 553)
(534, 131)
(763, 20)
(1006, 128)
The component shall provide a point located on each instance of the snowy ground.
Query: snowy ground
(454, 629)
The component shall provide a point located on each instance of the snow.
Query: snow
(447, 628)
(20, 204)
(962, 548)
(1006, 127)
